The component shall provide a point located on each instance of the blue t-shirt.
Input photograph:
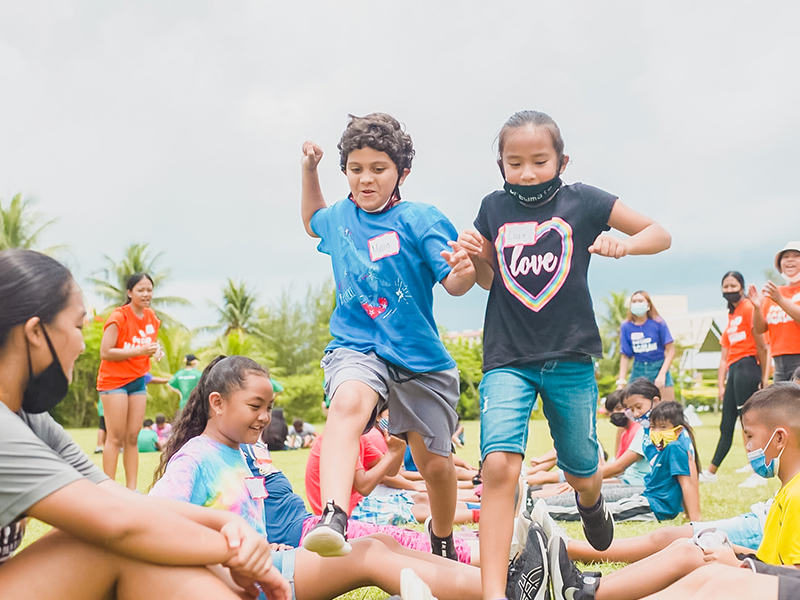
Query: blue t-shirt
(645, 342)
(408, 461)
(385, 266)
(284, 511)
(662, 489)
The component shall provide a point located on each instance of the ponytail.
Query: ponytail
(223, 375)
(671, 412)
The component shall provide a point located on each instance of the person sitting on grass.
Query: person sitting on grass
(107, 541)
(147, 440)
(771, 423)
(203, 464)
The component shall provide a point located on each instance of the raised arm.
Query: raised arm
(312, 199)
(645, 235)
(757, 298)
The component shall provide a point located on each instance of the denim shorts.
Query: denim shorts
(284, 562)
(132, 388)
(744, 530)
(569, 396)
(649, 370)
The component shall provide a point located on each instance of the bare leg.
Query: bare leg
(377, 560)
(462, 514)
(115, 408)
(137, 404)
(500, 476)
(629, 550)
(721, 582)
(588, 488)
(60, 567)
(653, 573)
(440, 479)
(350, 409)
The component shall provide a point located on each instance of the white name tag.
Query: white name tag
(149, 329)
(520, 234)
(387, 244)
(256, 487)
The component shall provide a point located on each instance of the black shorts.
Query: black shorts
(102, 424)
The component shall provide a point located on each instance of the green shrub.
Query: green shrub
(302, 397)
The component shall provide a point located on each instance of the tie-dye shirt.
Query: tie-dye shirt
(208, 473)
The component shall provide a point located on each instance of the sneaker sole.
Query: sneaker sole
(326, 542)
(553, 555)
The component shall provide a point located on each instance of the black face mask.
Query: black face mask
(46, 389)
(534, 195)
(732, 297)
(619, 419)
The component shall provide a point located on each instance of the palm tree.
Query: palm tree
(238, 311)
(20, 227)
(137, 259)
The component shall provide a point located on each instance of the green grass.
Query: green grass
(720, 500)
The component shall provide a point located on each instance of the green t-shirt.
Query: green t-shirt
(146, 440)
(185, 381)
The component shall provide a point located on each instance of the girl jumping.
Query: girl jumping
(531, 250)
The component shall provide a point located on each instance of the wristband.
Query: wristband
(622, 381)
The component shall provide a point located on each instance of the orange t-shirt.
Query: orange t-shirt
(738, 335)
(132, 332)
(784, 331)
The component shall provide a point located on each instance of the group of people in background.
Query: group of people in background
(530, 247)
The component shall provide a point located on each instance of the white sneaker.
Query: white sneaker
(745, 469)
(754, 480)
(707, 476)
(412, 587)
(551, 529)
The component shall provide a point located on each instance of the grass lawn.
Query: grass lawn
(718, 500)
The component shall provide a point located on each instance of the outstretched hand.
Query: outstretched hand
(312, 154)
(755, 296)
(608, 245)
(458, 260)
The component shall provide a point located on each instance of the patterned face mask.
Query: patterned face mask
(662, 437)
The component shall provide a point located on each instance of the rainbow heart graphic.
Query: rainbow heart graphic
(549, 263)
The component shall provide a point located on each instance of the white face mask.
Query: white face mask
(639, 308)
(790, 280)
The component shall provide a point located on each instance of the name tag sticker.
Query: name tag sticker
(256, 487)
(149, 329)
(386, 244)
(520, 234)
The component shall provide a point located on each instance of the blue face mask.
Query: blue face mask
(758, 460)
(643, 420)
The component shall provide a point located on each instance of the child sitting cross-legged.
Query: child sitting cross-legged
(771, 423)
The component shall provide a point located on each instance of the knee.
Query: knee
(131, 439)
(350, 403)
(437, 467)
(501, 468)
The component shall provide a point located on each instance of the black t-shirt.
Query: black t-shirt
(539, 305)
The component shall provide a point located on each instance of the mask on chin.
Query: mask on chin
(534, 195)
(791, 280)
(46, 389)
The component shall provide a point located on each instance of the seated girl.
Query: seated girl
(203, 464)
(108, 541)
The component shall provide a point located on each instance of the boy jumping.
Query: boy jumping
(387, 255)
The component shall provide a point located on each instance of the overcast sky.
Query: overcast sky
(180, 124)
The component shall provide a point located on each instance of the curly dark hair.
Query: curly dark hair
(378, 131)
(223, 375)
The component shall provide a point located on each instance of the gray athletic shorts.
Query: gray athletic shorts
(424, 403)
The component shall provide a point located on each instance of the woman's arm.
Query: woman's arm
(108, 350)
(312, 199)
(757, 298)
(763, 356)
(646, 236)
(721, 372)
(669, 356)
(623, 371)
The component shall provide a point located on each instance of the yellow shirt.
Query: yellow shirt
(781, 543)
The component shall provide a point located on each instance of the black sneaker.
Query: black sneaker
(528, 574)
(329, 536)
(598, 524)
(568, 582)
(441, 546)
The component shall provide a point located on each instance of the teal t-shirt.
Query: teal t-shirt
(185, 381)
(146, 440)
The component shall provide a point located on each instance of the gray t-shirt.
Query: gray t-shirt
(37, 458)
